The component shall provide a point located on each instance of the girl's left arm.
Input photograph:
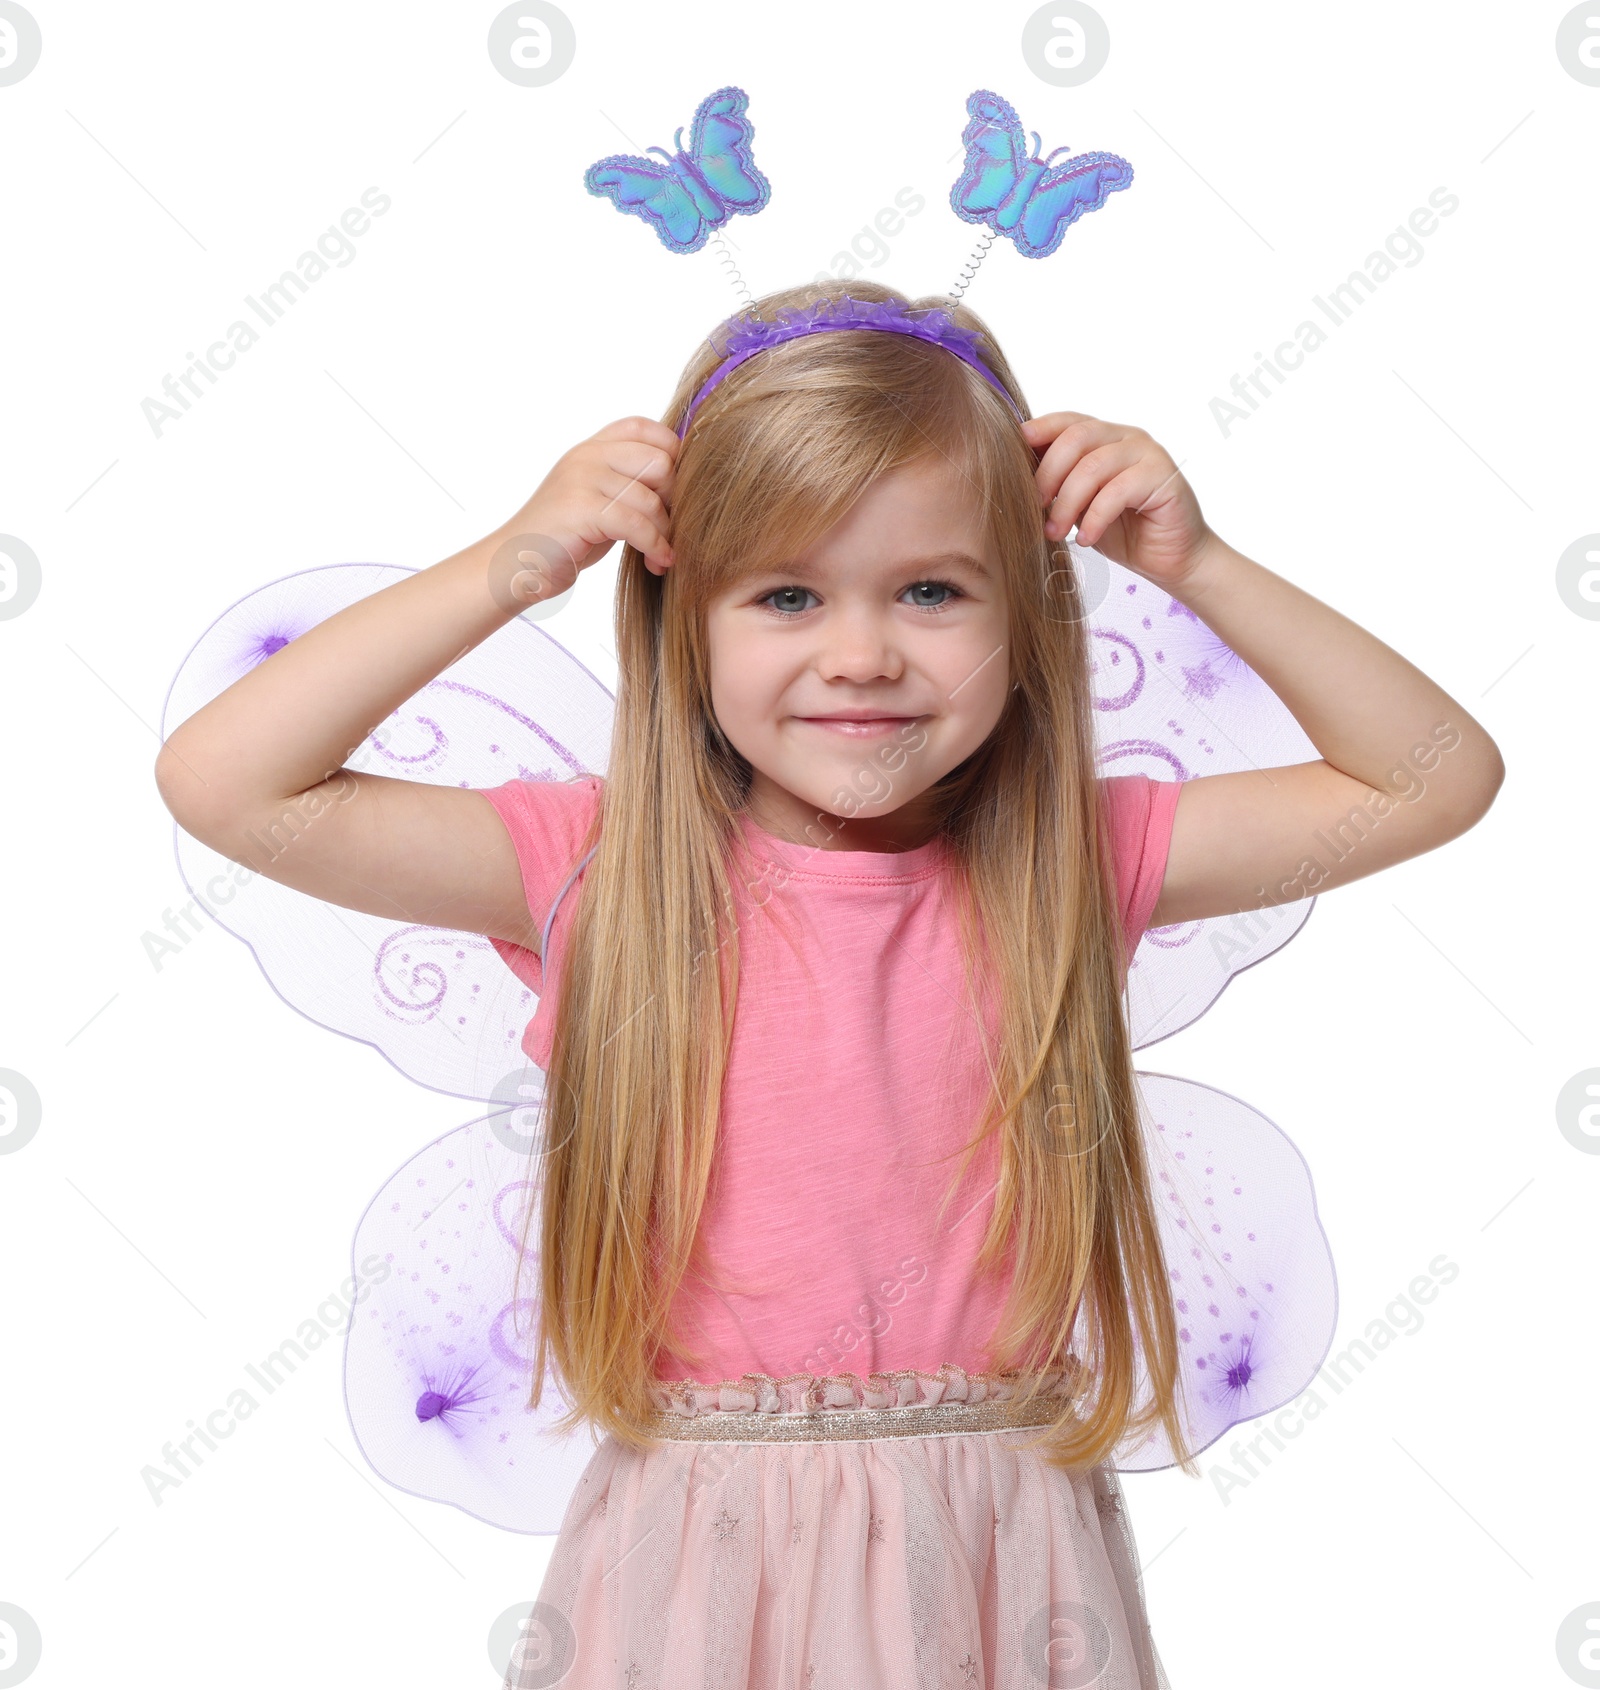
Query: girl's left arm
(1403, 766)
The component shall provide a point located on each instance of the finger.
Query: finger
(1092, 472)
(640, 460)
(1069, 446)
(1042, 432)
(630, 491)
(637, 497)
(1050, 423)
(647, 429)
(622, 522)
(1140, 487)
(1122, 492)
(1088, 476)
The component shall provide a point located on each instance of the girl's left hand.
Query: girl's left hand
(1122, 490)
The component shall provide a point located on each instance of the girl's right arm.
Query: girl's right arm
(258, 773)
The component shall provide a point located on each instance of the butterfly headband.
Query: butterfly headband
(1004, 185)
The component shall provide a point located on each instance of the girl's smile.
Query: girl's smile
(865, 727)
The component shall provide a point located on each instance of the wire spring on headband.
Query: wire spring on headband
(970, 268)
(731, 269)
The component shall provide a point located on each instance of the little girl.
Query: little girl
(847, 1244)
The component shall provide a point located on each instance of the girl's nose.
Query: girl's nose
(859, 648)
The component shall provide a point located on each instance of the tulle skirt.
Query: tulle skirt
(862, 1545)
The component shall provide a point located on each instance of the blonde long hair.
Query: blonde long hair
(779, 451)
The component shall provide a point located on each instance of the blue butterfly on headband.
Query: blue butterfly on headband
(699, 190)
(1013, 191)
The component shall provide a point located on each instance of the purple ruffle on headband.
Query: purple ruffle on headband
(743, 336)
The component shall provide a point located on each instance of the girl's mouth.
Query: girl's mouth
(855, 728)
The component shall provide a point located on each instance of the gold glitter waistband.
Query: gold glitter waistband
(909, 1420)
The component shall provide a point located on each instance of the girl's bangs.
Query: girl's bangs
(778, 504)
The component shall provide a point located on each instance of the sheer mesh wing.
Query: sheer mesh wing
(439, 1004)
(1252, 1276)
(1172, 702)
(439, 1355)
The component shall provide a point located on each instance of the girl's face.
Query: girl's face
(898, 612)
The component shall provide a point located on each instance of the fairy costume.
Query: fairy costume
(843, 1501)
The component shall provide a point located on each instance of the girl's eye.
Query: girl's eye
(787, 595)
(943, 586)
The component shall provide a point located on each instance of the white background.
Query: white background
(1422, 472)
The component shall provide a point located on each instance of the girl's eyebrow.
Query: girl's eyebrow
(951, 560)
(936, 560)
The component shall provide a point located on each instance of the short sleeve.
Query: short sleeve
(1141, 813)
(548, 821)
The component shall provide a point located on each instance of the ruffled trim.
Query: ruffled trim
(744, 333)
(809, 1393)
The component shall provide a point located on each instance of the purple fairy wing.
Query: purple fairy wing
(437, 1003)
(1252, 1276)
(1251, 1272)
(439, 1355)
(1172, 701)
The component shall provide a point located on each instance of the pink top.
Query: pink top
(854, 1078)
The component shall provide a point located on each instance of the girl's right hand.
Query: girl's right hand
(269, 754)
(613, 486)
